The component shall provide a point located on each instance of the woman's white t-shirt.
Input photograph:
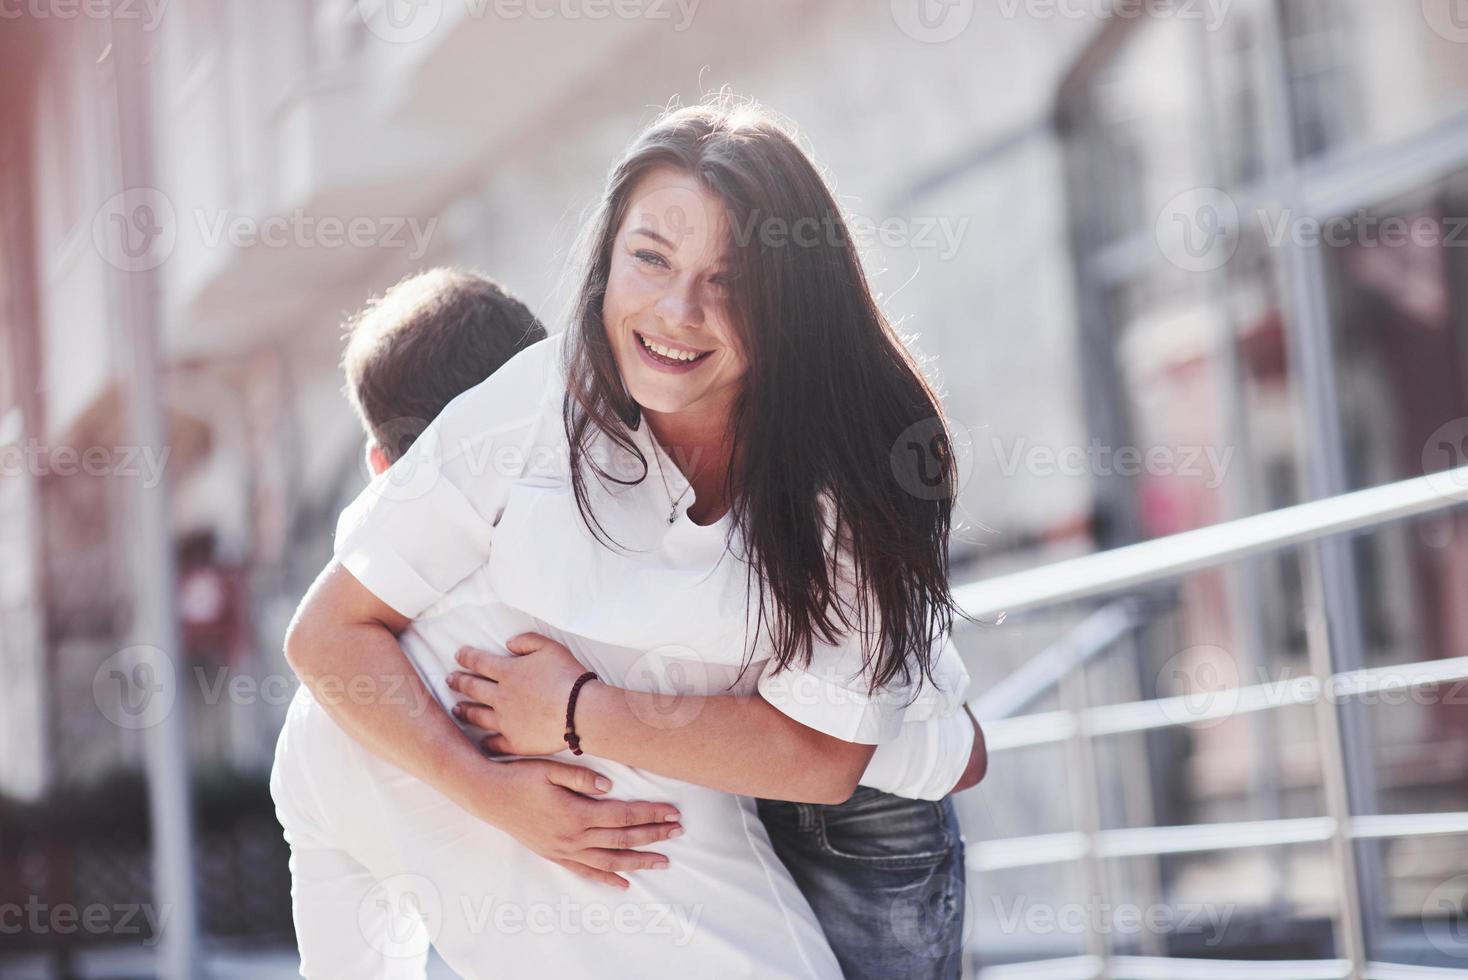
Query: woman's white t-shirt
(485, 493)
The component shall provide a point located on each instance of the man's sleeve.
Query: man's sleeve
(427, 522)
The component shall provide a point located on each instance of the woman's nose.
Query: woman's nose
(680, 305)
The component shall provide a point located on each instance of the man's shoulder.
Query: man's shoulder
(519, 397)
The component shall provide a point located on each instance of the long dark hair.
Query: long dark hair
(832, 408)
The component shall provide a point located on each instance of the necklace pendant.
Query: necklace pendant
(673, 514)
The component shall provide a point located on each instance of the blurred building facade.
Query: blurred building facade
(1267, 221)
(1062, 210)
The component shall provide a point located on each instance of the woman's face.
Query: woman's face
(666, 307)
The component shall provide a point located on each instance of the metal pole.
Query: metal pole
(1244, 597)
(156, 629)
(1332, 597)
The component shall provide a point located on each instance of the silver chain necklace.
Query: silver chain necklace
(672, 504)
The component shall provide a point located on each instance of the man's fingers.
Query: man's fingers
(594, 874)
(474, 687)
(479, 661)
(625, 838)
(497, 745)
(578, 779)
(608, 860)
(478, 715)
(617, 813)
(526, 643)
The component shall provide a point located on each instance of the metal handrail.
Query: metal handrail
(1109, 572)
(1091, 637)
(1151, 563)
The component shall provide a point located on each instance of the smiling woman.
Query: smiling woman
(797, 390)
(806, 652)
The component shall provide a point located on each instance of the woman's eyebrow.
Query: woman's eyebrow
(655, 236)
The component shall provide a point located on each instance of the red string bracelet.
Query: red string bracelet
(572, 739)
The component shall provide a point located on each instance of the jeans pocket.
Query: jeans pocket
(880, 829)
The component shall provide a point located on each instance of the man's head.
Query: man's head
(415, 348)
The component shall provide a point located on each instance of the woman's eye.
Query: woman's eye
(651, 258)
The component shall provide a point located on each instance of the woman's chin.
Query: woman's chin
(657, 399)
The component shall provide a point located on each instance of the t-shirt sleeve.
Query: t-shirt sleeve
(925, 760)
(831, 694)
(427, 522)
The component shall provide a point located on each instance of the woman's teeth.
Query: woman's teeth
(668, 352)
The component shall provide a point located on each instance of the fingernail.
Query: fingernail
(673, 817)
(603, 783)
(458, 711)
(660, 865)
(676, 832)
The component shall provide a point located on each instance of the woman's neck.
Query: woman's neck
(701, 447)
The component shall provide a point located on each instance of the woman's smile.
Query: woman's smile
(665, 355)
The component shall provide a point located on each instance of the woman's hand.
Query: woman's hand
(550, 807)
(521, 697)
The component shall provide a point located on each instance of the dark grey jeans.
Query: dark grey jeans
(885, 876)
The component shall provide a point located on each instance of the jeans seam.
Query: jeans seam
(807, 814)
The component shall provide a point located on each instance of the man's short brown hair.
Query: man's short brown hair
(426, 340)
